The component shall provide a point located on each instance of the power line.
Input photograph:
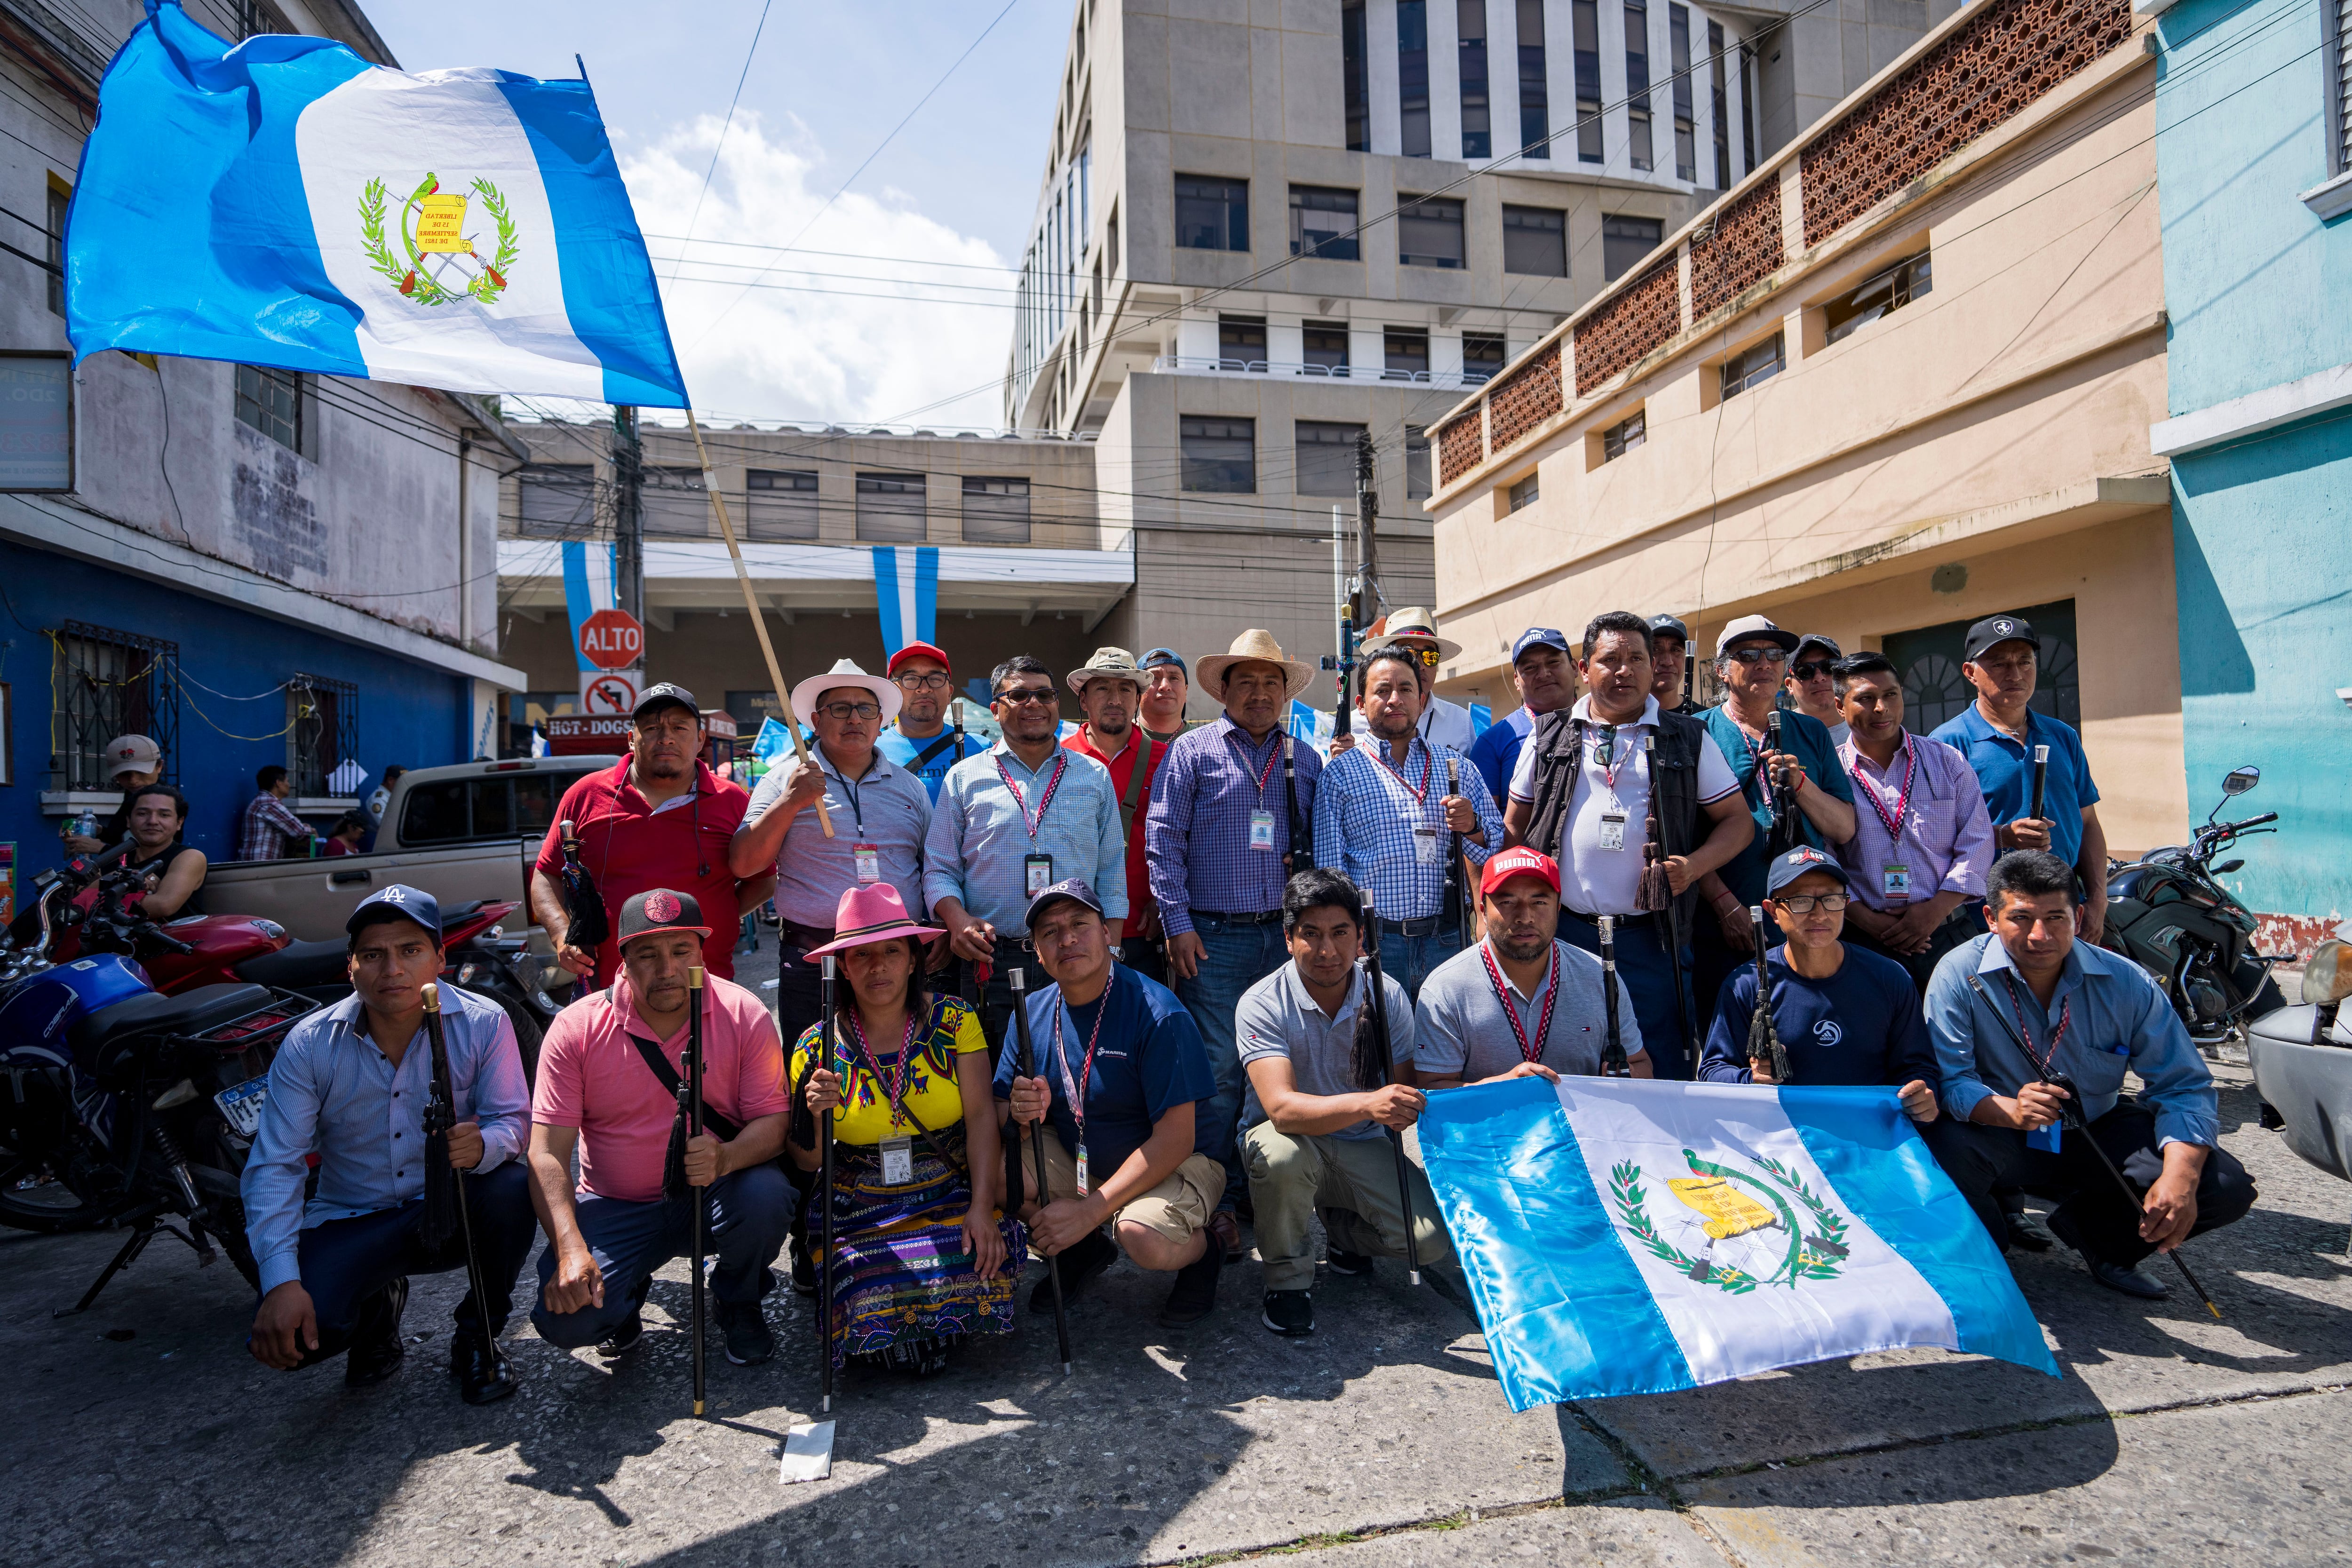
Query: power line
(729, 123)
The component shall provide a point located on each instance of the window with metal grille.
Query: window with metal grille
(1325, 343)
(1355, 65)
(1429, 232)
(674, 503)
(996, 509)
(322, 735)
(1525, 494)
(1470, 65)
(1534, 97)
(1211, 214)
(1326, 456)
(1586, 20)
(893, 509)
(256, 17)
(1535, 242)
(36, 410)
(1482, 357)
(2338, 68)
(1751, 365)
(271, 402)
(1218, 454)
(1406, 352)
(557, 501)
(1678, 56)
(1412, 78)
(1890, 289)
(109, 683)
(1624, 435)
(1637, 82)
(1624, 241)
(1323, 223)
(780, 505)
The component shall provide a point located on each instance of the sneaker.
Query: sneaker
(624, 1338)
(1195, 1294)
(744, 1327)
(1341, 1262)
(1227, 1232)
(2118, 1276)
(377, 1346)
(1080, 1266)
(483, 1375)
(1291, 1312)
(2025, 1232)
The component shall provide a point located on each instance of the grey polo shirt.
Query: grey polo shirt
(889, 809)
(1277, 1017)
(1464, 1034)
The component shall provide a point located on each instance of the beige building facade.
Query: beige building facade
(1897, 380)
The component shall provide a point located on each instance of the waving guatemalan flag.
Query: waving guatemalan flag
(284, 203)
(1627, 1236)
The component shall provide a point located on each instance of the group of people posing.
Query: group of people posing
(1153, 938)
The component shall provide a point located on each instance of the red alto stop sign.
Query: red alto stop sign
(612, 639)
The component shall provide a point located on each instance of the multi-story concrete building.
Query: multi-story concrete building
(1266, 225)
(248, 565)
(1899, 379)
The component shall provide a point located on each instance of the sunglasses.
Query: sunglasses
(1810, 668)
(1758, 655)
(1426, 656)
(1021, 694)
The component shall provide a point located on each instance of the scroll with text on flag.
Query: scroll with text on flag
(285, 203)
(1631, 1236)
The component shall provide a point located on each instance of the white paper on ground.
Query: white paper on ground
(808, 1452)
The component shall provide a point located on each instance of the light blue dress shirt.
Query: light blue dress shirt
(2116, 1019)
(334, 1093)
(1366, 817)
(979, 842)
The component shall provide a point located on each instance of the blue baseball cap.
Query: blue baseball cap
(1160, 656)
(399, 901)
(1540, 636)
(1796, 863)
(1072, 887)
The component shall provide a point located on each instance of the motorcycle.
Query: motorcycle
(2167, 914)
(125, 1107)
(2302, 1058)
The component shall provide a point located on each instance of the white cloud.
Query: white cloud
(791, 354)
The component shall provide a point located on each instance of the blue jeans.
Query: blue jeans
(1407, 960)
(1648, 972)
(1235, 956)
(746, 1217)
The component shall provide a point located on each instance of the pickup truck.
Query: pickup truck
(464, 832)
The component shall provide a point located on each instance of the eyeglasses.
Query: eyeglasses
(843, 712)
(1809, 668)
(1016, 696)
(932, 680)
(1806, 903)
(1758, 655)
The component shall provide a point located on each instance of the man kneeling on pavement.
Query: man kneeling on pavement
(2087, 1017)
(1122, 1080)
(351, 1083)
(1318, 1114)
(608, 1085)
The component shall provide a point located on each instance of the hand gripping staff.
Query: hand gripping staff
(1763, 1035)
(445, 1187)
(2070, 1113)
(1457, 892)
(1025, 1065)
(585, 922)
(824, 1193)
(1342, 710)
(1656, 893)
(1382, 1042)
(2041, 780)
(1783, 834)
(693, 1131)
(1612, 1043)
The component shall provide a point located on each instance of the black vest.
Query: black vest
(1560, 739)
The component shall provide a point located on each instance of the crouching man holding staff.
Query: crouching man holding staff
(1122, 1080)
(608, 1085)
(351, 1083)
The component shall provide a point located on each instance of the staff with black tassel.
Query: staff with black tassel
(445, 1206)
(1025, 1065)
(1613, 1044)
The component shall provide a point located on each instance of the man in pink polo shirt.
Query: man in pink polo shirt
(609, 1075)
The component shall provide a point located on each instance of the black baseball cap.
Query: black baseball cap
(1796, 863)
(1815, 639)
(399, 901)
(2000, 629)
(659, 910)
(1074, 889)
(663, 696)
(1668, 624)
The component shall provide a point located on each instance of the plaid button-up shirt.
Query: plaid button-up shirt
(1366, 815)
(1197, 837)
(266, 827)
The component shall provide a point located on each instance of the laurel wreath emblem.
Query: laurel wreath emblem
(414, 279)
(1821, 1256)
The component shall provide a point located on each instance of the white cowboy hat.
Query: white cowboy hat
(1412, 624)
(1252, 645)
(1115, 662)
(846, 673)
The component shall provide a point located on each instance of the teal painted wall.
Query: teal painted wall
(2259, 293)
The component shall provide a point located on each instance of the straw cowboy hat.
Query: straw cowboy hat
(1412, 624)
(1115, 662)
(846, 673)
(1253, 645)
(870, 914)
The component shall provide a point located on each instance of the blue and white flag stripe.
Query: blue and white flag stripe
(907, 593)
(266, 204)
(590, 583)
(1550, 1193)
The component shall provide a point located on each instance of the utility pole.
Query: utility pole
(1368, 518)
(628, 514)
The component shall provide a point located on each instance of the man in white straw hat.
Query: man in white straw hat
(1413, 631)
(1233, 811)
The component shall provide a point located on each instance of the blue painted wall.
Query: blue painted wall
(2259, 293)
(407, 713)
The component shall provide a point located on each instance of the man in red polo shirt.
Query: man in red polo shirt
(1110, 691)
(658, 818)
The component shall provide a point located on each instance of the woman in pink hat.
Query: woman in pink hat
(919, 1244)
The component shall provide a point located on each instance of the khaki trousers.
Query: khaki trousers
(1354, 1181)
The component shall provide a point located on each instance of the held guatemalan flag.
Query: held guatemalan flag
(285, 203)
(1627, 1237)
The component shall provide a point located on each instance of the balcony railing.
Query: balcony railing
(1199, 364)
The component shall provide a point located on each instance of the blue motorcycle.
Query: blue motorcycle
(120, 1108)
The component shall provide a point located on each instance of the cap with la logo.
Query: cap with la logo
(399, 901)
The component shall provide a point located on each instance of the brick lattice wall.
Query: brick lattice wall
(1745, 247)
(1525, 398)
(1644, 314)
(1459, 450)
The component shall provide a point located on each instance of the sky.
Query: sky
(942, 213)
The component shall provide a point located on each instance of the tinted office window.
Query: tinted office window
(1678, 45)
(1749, 366)
(996, 509)
(1482, 356)
(1535, 101)
(673, 503)
(1323, 223)
(1412, 76)
(1429, 232)
(891, 507)
(1326, 345)
(1211, 214)
(1241, 342)
(1524, 494)
(1637, 82)
(1407, 352)
(558, 500)
(1587, 21)
(1326, 457)
(1218, 454)
(1624, 241)
(1355, 64)
(1416, 463)
(1624, 435)
(1535, 242)
(1719, 96)
(1478, 125)
(780, 504)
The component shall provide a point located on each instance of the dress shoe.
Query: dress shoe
(377, 1346)
(483, 1375)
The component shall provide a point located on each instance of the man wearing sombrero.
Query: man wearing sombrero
(1219, 843)
(1413, 630)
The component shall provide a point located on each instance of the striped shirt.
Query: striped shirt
(266, 828)
(1197, 839)
(1369, 826)
(1946, 844)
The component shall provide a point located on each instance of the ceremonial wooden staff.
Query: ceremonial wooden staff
(2041, 778)
(444, 1186)
(1613, 1044)
(759, 619)
(1764, 1035)
(1381, 1039)
(1024, 1064)
(1783, 834)
(694, 1131)
(824, 1194)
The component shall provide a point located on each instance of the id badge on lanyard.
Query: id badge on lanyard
(1895, 883)
(1036, 873)
(898, 1161)
(1425, 846)
(1612, 826)
(1083, 1188)
(1261, 829)
(868, 858)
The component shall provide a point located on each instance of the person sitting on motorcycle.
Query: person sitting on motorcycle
(351, 1082)
(157, 814)
(2086, 1015)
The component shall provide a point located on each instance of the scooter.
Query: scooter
(2302, 1058)
(2167, 914)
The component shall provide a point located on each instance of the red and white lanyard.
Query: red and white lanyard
(1893, 824)
(894, 1087)
(1021, 804)
(2065, 1017)
(1076, 1093)
(1533, 1052)
(1610, 769)
(1271, 757)
(1428, 765)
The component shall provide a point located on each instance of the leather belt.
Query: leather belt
(1257, 919)
(1647, 917)
(1428, 925)
(795, 934)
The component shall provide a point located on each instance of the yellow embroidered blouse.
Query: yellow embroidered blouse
(951, 1030)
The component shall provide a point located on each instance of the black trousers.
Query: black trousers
(1980, 1159)
(1967, 919)
(1147, 955)
(800, 981)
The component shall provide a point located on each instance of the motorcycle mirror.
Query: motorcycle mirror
(2227, 867)
(2327, 974)
(2241, 779)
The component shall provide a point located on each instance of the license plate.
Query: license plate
(241, 1104)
